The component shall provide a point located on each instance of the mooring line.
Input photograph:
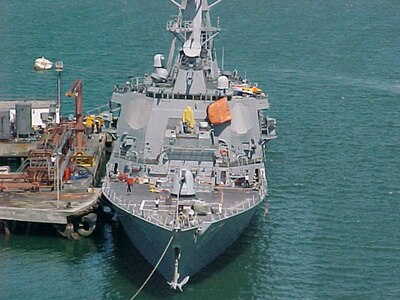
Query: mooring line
(154, 269)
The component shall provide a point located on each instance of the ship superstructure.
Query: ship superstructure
(186, 173)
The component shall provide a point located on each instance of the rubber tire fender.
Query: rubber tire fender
(87, 224)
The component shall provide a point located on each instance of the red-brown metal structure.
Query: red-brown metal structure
(76, 91)
(39, 169)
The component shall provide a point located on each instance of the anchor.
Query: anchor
(174, 283)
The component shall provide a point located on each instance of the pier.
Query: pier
(56, 164)
(70, 207)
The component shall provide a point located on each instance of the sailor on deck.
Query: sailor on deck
(246, 180)
(129, 184)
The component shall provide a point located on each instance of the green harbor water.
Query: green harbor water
(332, 72)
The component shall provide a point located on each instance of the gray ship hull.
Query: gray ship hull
(197, 248)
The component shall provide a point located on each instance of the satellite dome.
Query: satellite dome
(163, 73)
(158, 61)
(223, 83)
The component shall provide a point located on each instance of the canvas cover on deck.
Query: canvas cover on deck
(218, 112)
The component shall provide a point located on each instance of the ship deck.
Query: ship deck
(209, 206)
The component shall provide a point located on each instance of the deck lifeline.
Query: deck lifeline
(222, 202)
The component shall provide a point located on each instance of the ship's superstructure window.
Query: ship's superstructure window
(166, 95)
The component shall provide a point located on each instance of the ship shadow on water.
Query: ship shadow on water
(136, 269)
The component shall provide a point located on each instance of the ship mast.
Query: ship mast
(195, 61)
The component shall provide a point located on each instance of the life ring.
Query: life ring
(78, 153)
(224, 152)
(87, 224)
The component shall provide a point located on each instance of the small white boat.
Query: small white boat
(42, 63)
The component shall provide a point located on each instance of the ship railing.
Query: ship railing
(267, 126)
(112, 195)
(135, 84)
(163, 215)
(131, 156)
(177, 25)
(237, 208)
(204, 186)
(98, 110)
(241, 160)
(244, 205)
(121, 201)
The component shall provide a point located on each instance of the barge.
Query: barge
(54, 166)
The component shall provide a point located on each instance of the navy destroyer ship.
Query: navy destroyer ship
(187, 173)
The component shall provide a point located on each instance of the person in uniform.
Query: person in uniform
(129, 184)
